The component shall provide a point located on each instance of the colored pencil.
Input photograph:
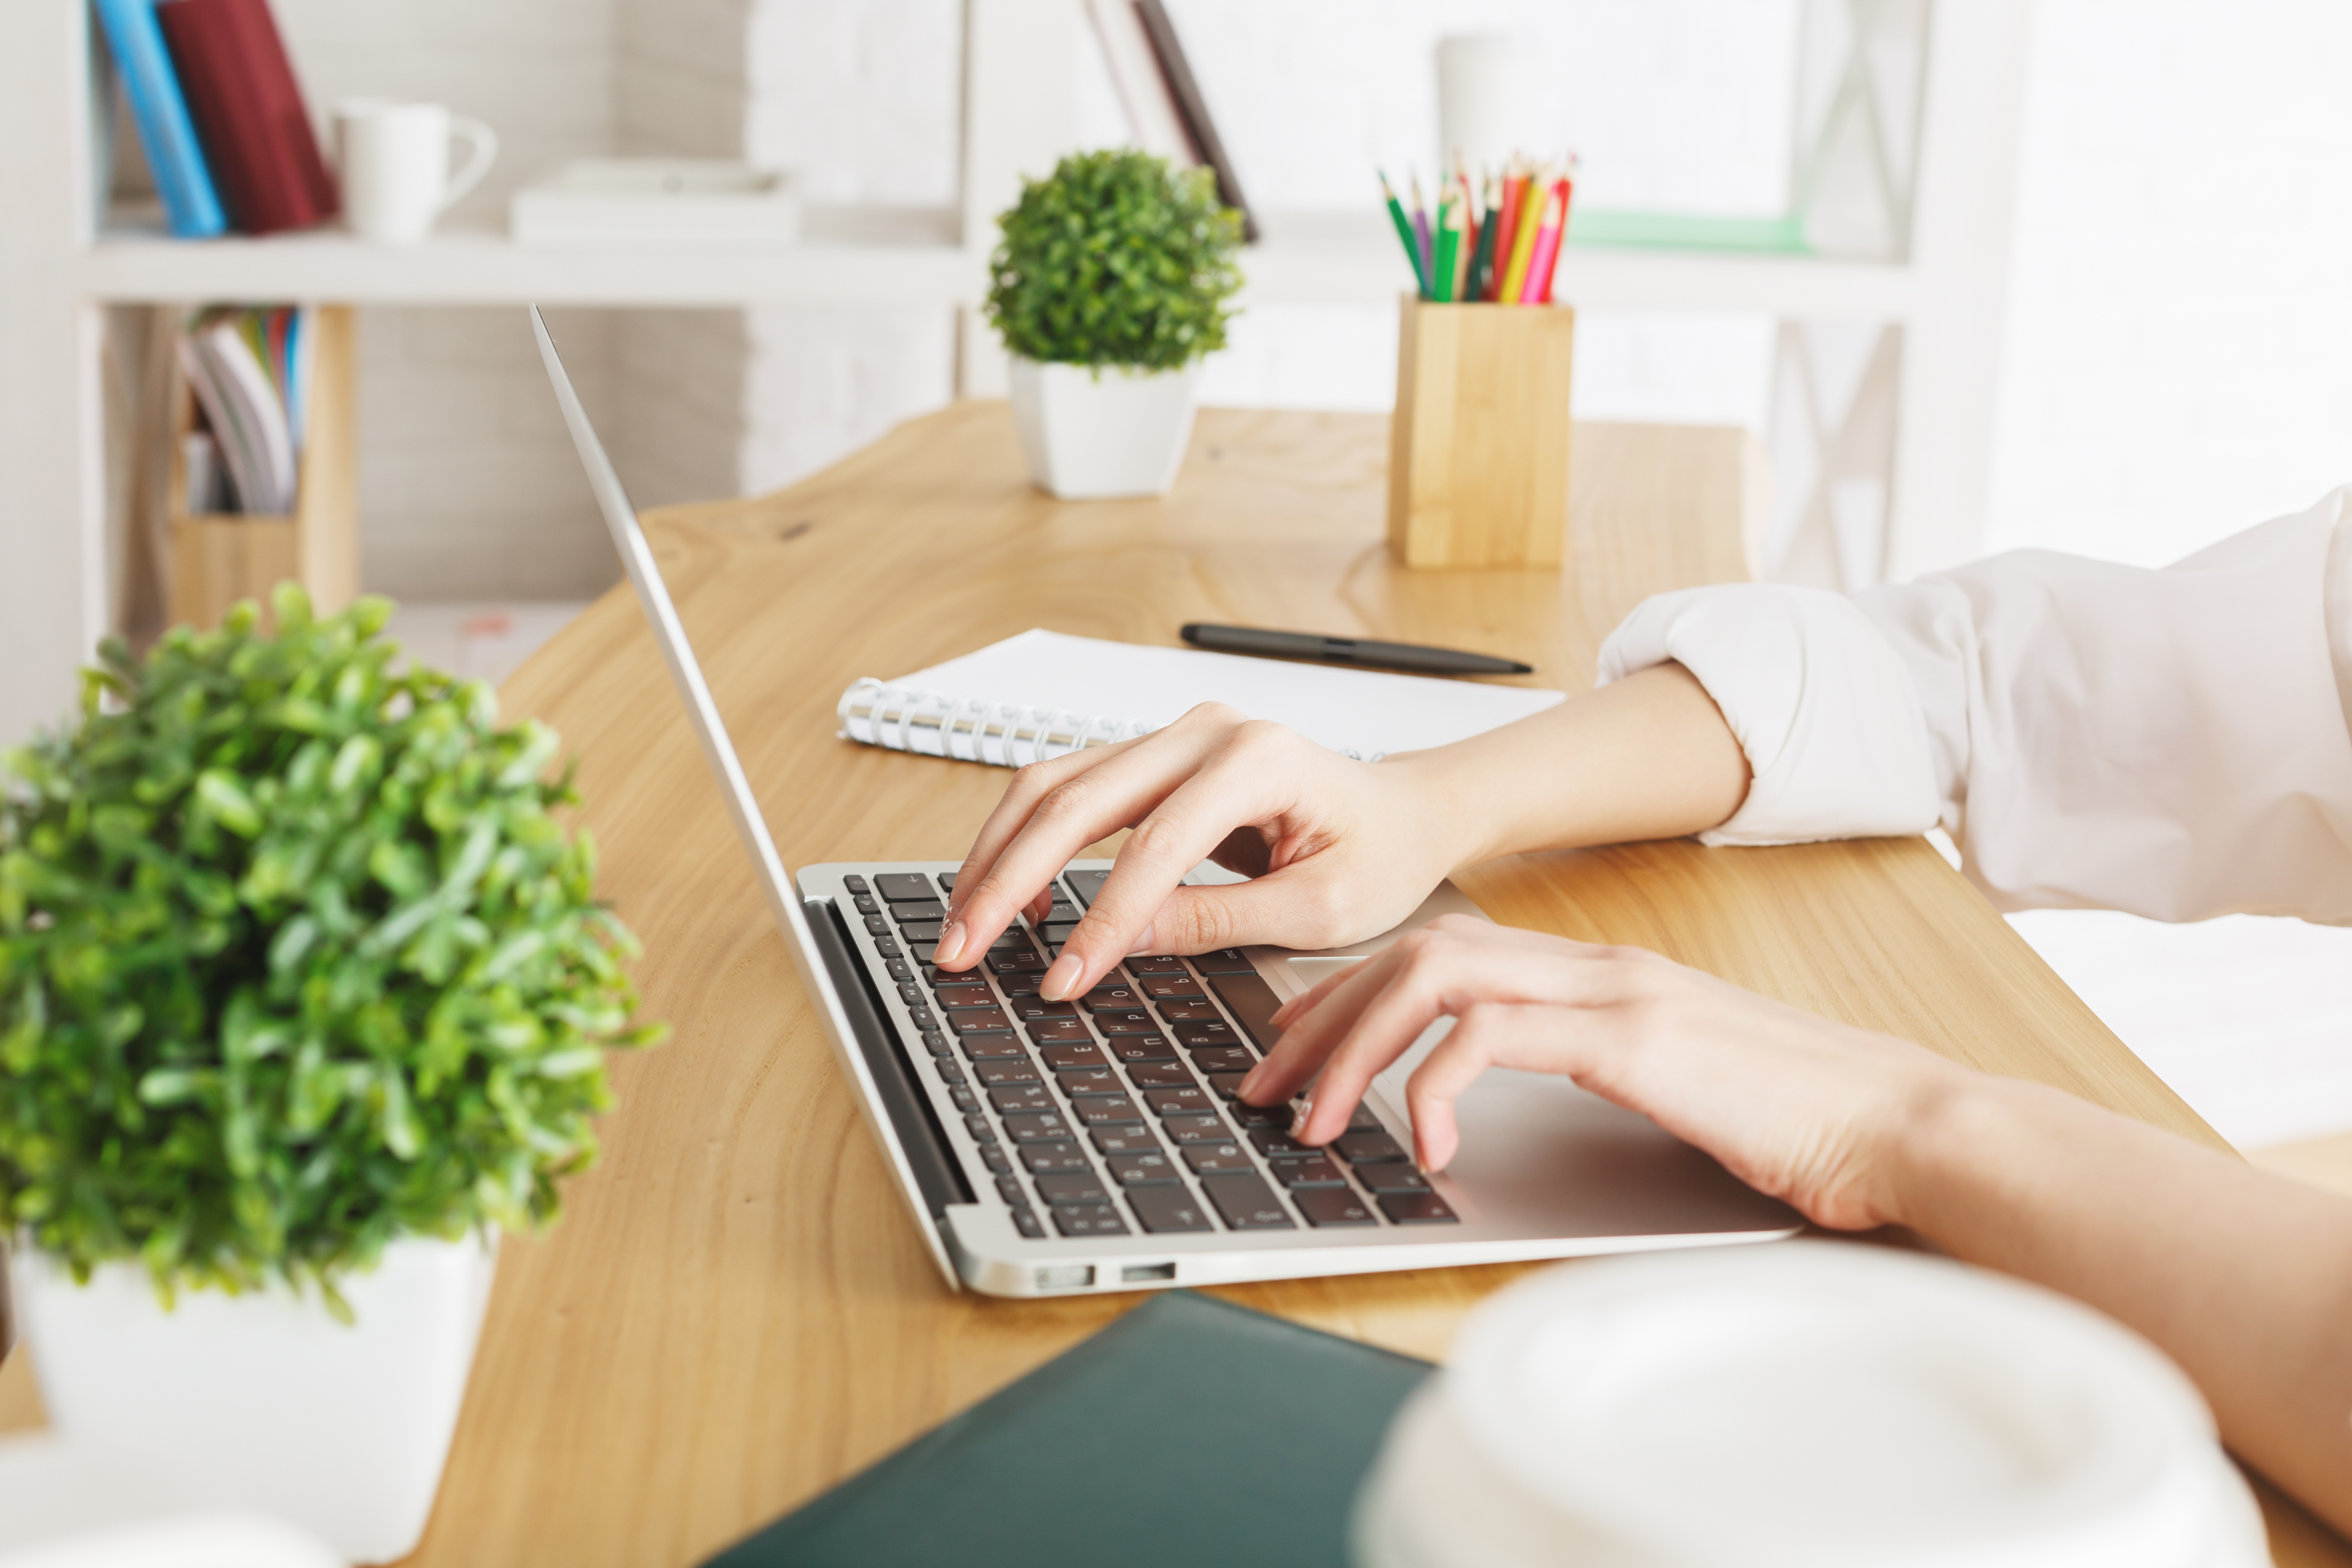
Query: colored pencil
(1449, 244)
(1523, 240)
(1404, 234)
(1515, 183)
(1567, 189)
(1482, 269)
(1421, 231)
(1547, 250)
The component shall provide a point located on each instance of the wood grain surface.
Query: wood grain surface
(735, 1313)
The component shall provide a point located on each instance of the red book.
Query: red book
(248, 113)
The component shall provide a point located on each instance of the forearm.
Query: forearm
(2244, 1277)
(1646, 757)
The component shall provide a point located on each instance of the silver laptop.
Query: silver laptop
(1051, 1148)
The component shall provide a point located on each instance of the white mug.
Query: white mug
(395, 161)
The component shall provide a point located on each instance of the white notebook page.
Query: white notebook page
(1369, 712)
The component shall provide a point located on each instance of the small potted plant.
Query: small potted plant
(304, 995)
(1112, 283)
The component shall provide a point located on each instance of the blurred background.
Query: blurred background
(2100, 307)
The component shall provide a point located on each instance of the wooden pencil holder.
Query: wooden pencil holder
(218, 558)
(1478, 447)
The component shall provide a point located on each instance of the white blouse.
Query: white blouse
(2175, 743)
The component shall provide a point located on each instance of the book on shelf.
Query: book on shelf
(167, 133)
(1164, 104)
(249, 369)
(249, 110)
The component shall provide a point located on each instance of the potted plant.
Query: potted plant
(1111, 283)
(304, 995)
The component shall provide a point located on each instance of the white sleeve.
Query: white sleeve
(1819, 702)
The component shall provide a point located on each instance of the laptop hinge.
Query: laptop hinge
(922, 1138)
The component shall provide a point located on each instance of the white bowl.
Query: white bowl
(1814, 1403)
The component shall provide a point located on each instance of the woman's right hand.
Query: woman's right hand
(1336, 850)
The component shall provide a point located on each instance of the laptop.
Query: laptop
(1047, 1149)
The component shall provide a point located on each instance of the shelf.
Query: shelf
(1336, 256)
(863, 255)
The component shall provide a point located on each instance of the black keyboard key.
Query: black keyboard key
(1010, 1189)
(1091, 1081)
(1275, 1140)
(1142, 1170)
(1279, 1114)
(921, 935)
(1126, 1138)
(1056, 932)
(866, 904)
(966, 994)
(1059, 1031)
(1166, 1210)
(1162, 1075)
(1026, 1222)
(1022, 983)
(946, 880)
(1318, 1172)
(936, 1042)
(887, 946)
(1253, 1003)
(1088, 1219)
(911, 994)
(1187, 1101)
(1038, 1127)
(1050, 1159)
(875, 925)
(981, 1047)
(1172, 988)
(1132, 1049)
(1361, 1119)
(1392, 1177)
(1105, 1109)
(1225, 960)
(1139, 967)
(1177, 1010)
(1085, 885)
(855, 884)
(965, 1100)
(1206, 1129)
(903, 887)
(1228, 1085)
(1068, 1056)
(899, 969)
(1026, 960)
(1125, 1021)
(950, 1070)
(1216, 1158)
(920, 910)
(1417, 1208)
(1359, 1148)
(1006, 1070)
(1112, 999)
(924, 1017)
(1030, 1008)
(1200, 1036)
(1072, 1187)
(994, 1156)
(1331, 1206)
(1247, 1203)
(977, 1125)
(1021, 1098)
(1224, 1058)
(989, 1020)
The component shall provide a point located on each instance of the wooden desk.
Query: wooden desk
(736, 1313)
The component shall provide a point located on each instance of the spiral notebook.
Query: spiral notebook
(1041, 693)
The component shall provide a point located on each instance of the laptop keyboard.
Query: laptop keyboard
(1117, 1111)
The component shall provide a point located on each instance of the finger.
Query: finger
(1013, 810)
(1310, 1035)
(1467, 1050)
(1306, 1001)
(1084, 807)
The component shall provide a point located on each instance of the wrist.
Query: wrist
(1957, 1132)
(1458, 814)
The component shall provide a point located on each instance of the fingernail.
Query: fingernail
(1299, 1120)
(1143, 943)
(950, 946)
(1249, 1082)
(1062, 979)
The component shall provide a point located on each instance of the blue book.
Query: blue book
(190, 201)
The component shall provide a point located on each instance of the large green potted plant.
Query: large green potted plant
(304, 995)
(1113, 280)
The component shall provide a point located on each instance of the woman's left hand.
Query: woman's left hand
(1793, 1104)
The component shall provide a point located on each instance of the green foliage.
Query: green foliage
(293, 960)
(1117, 260)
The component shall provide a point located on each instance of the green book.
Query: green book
(1190, 1433)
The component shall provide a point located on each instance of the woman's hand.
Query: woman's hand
(1797, 1107)
(1336, 850)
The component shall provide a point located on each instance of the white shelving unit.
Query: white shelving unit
(57, 268)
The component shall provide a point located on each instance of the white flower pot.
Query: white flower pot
(1092, 435)
(264, 1401)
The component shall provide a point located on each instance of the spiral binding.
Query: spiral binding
(969, 730)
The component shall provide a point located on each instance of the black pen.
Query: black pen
(1349, 650)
